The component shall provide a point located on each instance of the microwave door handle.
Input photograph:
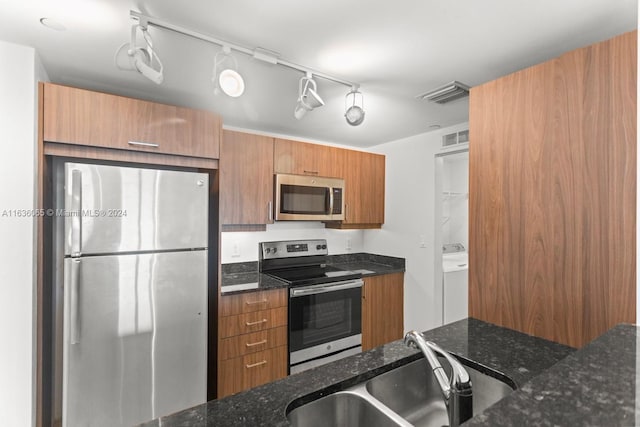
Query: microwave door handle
(330, 201)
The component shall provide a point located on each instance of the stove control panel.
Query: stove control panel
(292, 248)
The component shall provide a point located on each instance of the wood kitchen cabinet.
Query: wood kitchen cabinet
(301, 158)
(364, 175)
(552, 195)
(82, 117)
(382, 309)
(246, 179)
(252, 340)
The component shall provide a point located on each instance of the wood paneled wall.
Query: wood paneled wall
(553, 193)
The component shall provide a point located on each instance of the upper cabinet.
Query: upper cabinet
(82, 117)
(300, 158)
(364, 175)
(246, 179)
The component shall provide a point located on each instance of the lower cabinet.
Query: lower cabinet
(251, 370)
(382, 309)
(252, 332)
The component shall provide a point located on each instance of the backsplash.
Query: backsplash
(243, 246)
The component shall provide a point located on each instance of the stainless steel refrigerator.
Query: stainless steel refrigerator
(131, 293)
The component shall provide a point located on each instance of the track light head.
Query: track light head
(227, 80)
(354, 107)
(308, 98)
(144, 60)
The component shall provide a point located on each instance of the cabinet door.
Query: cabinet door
(82, 117)
(364, 175)
(382, 309)
(300, 158)
(246, 179)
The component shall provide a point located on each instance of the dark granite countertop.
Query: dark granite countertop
(595, 386)
(245, 277)
(518, 356)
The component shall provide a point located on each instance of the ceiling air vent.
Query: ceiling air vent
(447, 93)
(455, 138)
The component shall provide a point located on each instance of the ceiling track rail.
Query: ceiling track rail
(258, 53)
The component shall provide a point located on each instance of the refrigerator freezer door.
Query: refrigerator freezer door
(111, 209)
(135, 337)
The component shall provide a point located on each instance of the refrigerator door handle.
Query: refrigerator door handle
(76, 212)
(74, 321)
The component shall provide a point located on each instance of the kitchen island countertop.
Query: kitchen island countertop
(597, 385)
(518, 356)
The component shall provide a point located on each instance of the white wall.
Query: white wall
(245, 244)
(409, 226)
(18, 103)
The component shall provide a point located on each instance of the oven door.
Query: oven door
(324, 320)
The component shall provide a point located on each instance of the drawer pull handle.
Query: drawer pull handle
(253, 365)
(311, 172)
(264, 301)
(144, 144)
(253, 344)
(257, 322)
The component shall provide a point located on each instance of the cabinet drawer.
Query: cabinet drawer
(251, 343)
(252, 301)
(83, 117)
(252, 370)
(252, 322)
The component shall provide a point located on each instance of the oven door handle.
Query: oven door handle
(326, 288)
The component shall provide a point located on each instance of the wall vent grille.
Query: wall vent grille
(456, 138)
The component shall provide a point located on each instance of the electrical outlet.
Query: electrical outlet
(348, 247)
(423, 243)
(235, 253)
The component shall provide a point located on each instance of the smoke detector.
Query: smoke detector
(447, 93)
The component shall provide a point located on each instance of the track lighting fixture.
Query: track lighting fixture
(142, 59)
(308, 98)
(354, 107)
(227, 80)
(225, 68)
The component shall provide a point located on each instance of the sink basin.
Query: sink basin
(413, 392)
(345, 408)
(405, 396)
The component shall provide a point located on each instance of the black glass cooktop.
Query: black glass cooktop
(300, 276)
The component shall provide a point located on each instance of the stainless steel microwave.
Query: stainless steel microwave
(308, 198)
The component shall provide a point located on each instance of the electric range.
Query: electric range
(325, 302)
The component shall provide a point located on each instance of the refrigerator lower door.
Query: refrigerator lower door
(110, 209)
(135, 337)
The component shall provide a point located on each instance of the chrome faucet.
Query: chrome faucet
(456, 390)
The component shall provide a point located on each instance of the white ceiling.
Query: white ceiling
(394, 49)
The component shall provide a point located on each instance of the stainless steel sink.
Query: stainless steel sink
(408, 395)
(412, 392)
(345, 408)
